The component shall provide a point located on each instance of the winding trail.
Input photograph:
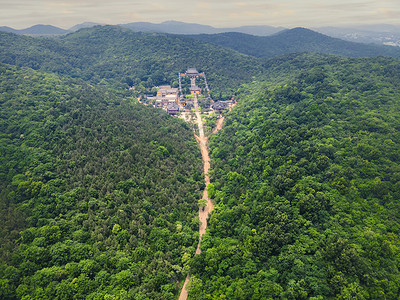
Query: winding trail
(203, 213)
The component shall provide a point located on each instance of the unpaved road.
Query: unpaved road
(202, 139)
(203, 213)
(184, 292)
(220, 122)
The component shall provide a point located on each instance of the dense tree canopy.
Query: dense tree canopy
(118, 56)
(306, 179)
(98, 194)
(295, 40)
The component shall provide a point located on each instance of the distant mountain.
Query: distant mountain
(295, 40)
(383, 34)
(83, 25)
(171, 27)
(36, 30)
(48, 29)
(175, 27)
(43, 30)
(8, 29)
(262, 30)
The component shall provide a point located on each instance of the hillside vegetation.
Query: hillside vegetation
(121, 57)
(98, 194)
(295, 40)
(306, 180)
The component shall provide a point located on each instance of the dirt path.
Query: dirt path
(202, 139)
(220, 122)
(203, 213)
(184, 292)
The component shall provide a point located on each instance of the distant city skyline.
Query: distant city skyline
(21, 14)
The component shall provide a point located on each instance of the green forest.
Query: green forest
(295, 40)
(305, 176)
(99, 194)
(97, 202)
(110, 55)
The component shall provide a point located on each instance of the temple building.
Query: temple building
(192, 72)
(172, 109)
(219, 106)
(166, 95)
(195, 90)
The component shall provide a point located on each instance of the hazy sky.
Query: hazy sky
(218, 13)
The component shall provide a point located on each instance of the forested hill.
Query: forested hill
(111, 54)
(98, 194)
(295, 40)
(306, 180)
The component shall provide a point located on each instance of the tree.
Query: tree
(202, 203)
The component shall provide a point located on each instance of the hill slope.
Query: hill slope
(40, 30)
(119, 56)
(306, 184)
(8, 29)
(89, 205)
(175, 27)
(295, 40)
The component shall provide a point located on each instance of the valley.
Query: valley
(291, 191)
(204, 212)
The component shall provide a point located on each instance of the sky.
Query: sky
(20, 14)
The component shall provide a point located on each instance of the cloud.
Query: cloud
(389, 13)
(203, 5)
(219, 13)
(259, 6)
(345, 6)
(253, 14)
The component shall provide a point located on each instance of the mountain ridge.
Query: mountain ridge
(83, 53)
(39, 29)
(176, 27)
(173, 27)
(305, 174)
(381, 34)
(298, 39)
(121, 53)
